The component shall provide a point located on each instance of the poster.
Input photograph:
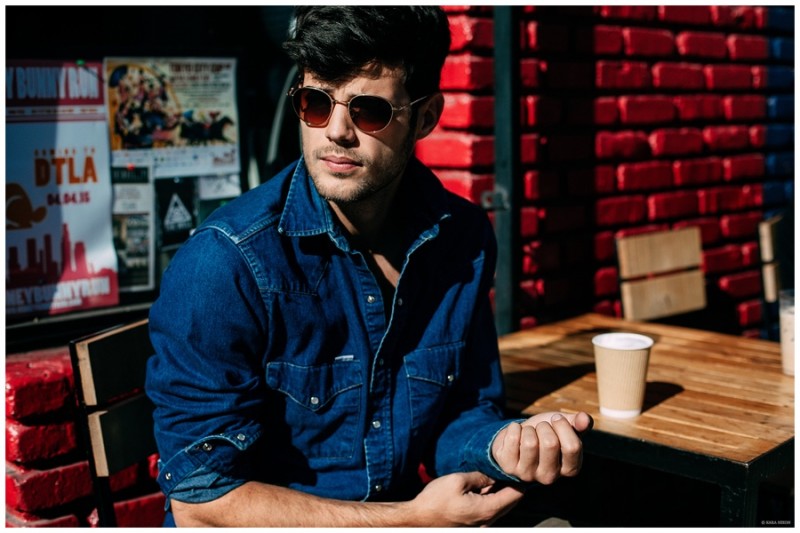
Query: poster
(59, 249)
(134, 228)
(177, 116)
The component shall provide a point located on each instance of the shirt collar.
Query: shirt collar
(306, 213)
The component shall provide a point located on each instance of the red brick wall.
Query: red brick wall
(634, 118)
(47, 475)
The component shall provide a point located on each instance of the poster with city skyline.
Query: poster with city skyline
(59, 248)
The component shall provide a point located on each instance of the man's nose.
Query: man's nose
(340, 128)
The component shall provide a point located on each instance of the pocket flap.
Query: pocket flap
(313, 386)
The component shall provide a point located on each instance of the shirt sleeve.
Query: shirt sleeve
(207, 329)
(477, 408)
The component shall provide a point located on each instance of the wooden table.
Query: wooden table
(717, 407)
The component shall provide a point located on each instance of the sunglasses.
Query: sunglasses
(369, 113)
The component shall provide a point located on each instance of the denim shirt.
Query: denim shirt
(277, 361)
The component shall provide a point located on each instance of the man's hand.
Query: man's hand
(463, 499)
(542, 448)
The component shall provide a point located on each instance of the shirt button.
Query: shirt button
(241, 437)
(370, 299)
(376, 424)
(168, 476)
(378, 488)
(450, 378)
(399, 302)
(314, 400)
(207, 447)
(380, 362)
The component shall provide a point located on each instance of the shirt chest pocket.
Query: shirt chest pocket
(322, 406)
(431, 373)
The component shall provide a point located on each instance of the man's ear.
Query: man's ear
(429, 113)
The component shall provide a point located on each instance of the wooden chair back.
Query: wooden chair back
(116, 415)
(660, 273)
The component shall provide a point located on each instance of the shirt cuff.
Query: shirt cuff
(478, 452)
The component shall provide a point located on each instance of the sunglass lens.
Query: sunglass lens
(370, 113)
(312, 106)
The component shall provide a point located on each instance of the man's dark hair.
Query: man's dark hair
(336, 43)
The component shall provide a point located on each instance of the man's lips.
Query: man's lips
(340, 163)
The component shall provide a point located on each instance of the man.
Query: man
(325, 334)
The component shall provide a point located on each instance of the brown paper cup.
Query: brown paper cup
(621, 361)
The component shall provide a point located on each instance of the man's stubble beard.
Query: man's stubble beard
(365, 188)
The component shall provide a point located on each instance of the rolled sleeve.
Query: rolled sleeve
(208, 469)
(477, 453)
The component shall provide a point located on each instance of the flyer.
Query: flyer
(59, 248)
(175, 115)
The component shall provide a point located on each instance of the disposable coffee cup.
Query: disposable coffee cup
(786, 307)
(621, 361)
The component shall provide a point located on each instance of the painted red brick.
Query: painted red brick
(25, 444)
(722, 259)
(644, 175)
(605, 110)
(759, 75)
(538, 184)
(539, 111)
(726, 138)
(607, 40)
(605, 307)
(528, 322)
(32, 490)
(16, 518)
(466, 184)
(530, 72)
(720, 199)
(727, 77)
(529, 288)
(671, 205)
(144, 511)
(709, 228)
(741, 285)
(456, 150)
(744, 166)
(747, 47)
(700, 15)
(740, 225)
(604, 246)
(757, 135)
(529, 222)
(680, 141)
(539, 255)
(697, 171)
(620, 210)
(606, 281)
(621, 144)
(622, 75)
(648, 42)
(640, 230)
(742, 17)
(471, 33)
(646, 109)
(530, 147)
(467, 72)
(751, 256)
(546, 37)
(704, 44)
(628, 12)
(683, 76)
(38, 382)
(744, 107)
(464, 111)
(749, 312)
(699, 107)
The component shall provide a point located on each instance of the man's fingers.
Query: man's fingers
(507, 454)
(549, 467)
(571, 447)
